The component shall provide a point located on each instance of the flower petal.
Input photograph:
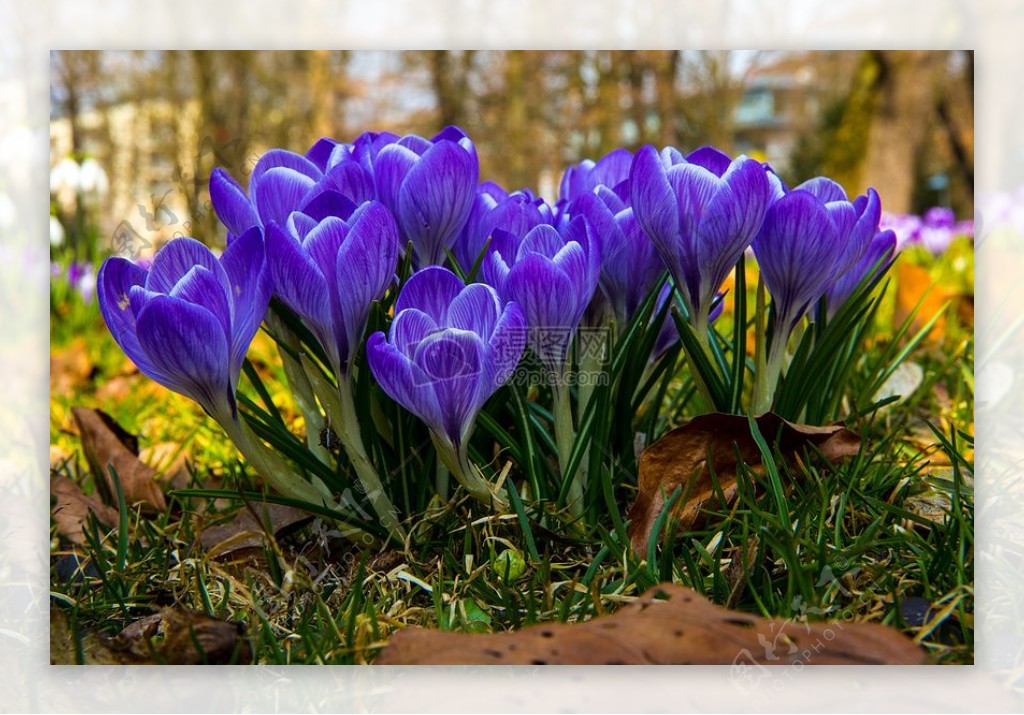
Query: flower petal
(476, 308)
(201, 287)
(117, 276)
(710, 158)
(654, 202)
(796, 241)
(543, 240)
(323, 243)
(403, 381)
(550, 303)
(320, 152)
(320, 204)
(435, 199)
(299, 225)
(601, 219)
(611, 169)
(351, 180)
(494, 269)
(875, 259)
(694, 188)
(470, 243)
(299, 282)
(409, 328)
(864, 230)
(188, 346)
(517, 214)
(249, 281)
(504, 349)
(731, 221)
(824, 188)
(451, 360)
(391, 166)
(573, 260)
(365, 267)
(279, 192)
(278, 159)
(432, 290)
(177, 258)
(231, 203)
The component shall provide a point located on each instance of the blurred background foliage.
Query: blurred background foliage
(158, 122)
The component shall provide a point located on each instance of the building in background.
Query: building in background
(782, 100)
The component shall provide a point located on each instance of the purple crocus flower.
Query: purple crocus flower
(278, 184)
(82, 278)
(283, 182)
(329, 270)
(701, 212)
(609, 171)
(876, 259)
(810, 236)
(76, 270)
(187, 322)
(938, 229)
(630, 264)
(449, 348)
(430, 186)
(553, 275)
(495, 209)
(935, 230)
(906, 227)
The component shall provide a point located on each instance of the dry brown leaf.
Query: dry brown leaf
(171, 637)
(71, 509)
(106, 442)
(245, 532)
(680, 459)
(668, 625)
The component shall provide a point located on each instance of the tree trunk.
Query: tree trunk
(904, 96)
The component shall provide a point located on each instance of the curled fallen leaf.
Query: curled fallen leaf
(668, 625)
(171, 637)
(71, 509)
(681, 457)
(106, 442)
(246, 532)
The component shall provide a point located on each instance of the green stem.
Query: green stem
(698, 379)
(352, 440)
(269, 464)
(457, 462)
(768, 376)
(590, 369)
(441, 480)
(299, 384)
(564, 438)
(341, 412)
(699, 323)
(282, 478)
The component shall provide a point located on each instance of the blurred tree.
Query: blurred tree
(77, 86)
(905, 127)
(904, 120)
(450, 72)
(222, 84)
(667, 73)
(904, 93)
(710, 91)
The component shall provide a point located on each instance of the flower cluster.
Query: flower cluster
(935, 230)
(489, 273)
